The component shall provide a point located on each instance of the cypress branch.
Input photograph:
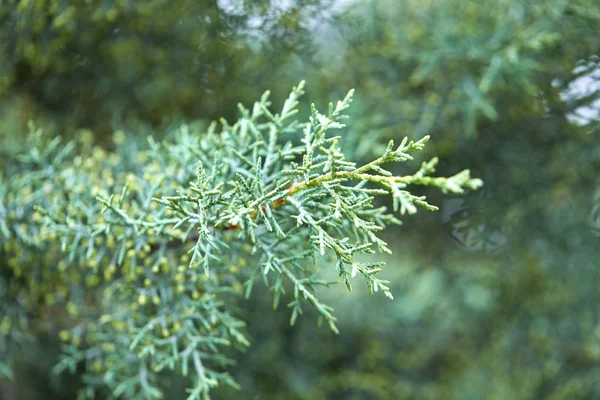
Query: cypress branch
(132, 227)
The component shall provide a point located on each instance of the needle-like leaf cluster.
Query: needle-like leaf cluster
(142, 254)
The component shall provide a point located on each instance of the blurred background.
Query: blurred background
(497, 295)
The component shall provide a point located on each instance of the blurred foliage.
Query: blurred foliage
(496, 295)
(445, 66)
(99, 62)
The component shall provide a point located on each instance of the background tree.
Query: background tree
(496, 294)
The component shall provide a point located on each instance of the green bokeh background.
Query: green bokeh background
(497, 294)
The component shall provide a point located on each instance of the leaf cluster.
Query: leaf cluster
(145, 252)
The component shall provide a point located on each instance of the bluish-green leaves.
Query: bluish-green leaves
(170, 235)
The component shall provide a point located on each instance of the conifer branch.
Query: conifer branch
(239, 202)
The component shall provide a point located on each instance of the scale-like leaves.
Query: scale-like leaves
(238, 201)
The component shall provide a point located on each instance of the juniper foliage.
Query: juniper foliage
(149, 249)
(126, 56)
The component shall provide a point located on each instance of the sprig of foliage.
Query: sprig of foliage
(168, 236)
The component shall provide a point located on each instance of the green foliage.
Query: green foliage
(144, 252)
(507, 310)
(450, 66)
(494, 297)
(94, 63)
